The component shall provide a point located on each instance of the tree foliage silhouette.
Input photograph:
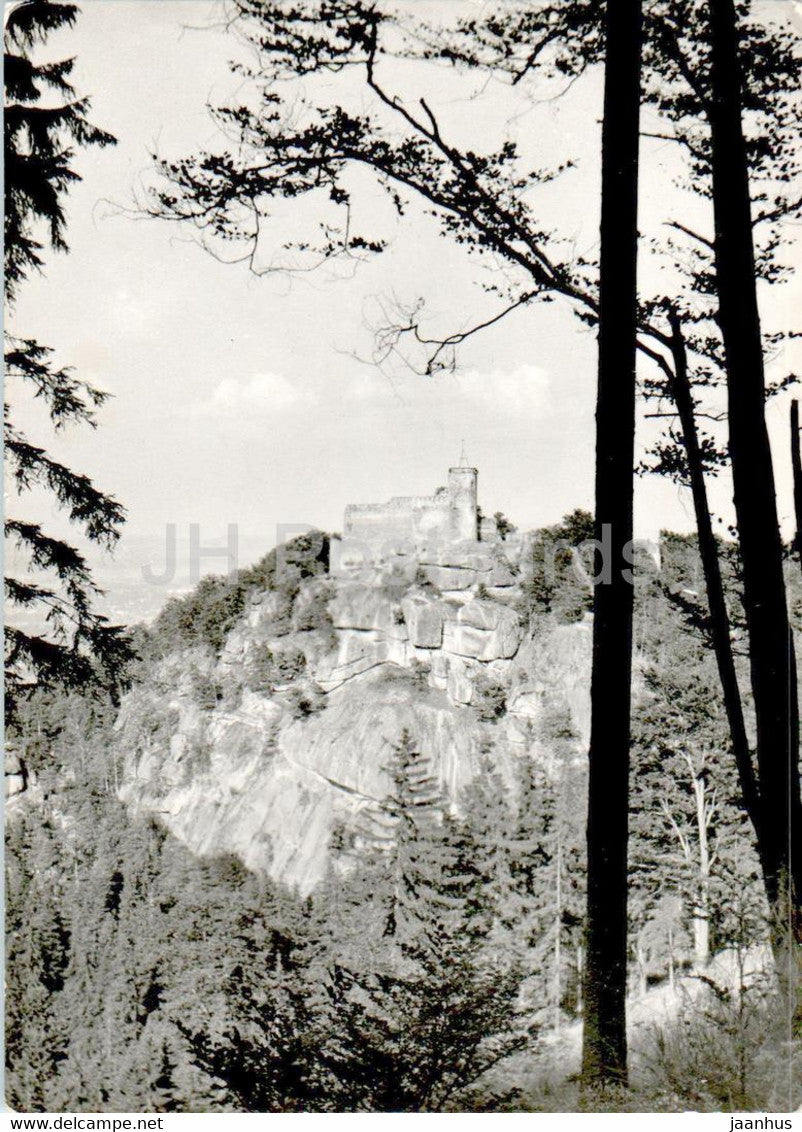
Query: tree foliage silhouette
(44, 121)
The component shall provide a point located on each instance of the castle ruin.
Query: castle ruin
(412, 530)
(450, 515)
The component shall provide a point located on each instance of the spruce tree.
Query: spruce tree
(39, 944)
(418, 1016)
(263, 1056)
(44, 121)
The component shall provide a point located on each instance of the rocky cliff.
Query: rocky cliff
(279, 744)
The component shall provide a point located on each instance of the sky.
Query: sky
(253, 401)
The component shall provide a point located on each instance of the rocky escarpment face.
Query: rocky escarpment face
(280, 745)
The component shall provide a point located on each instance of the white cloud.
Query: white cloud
(261, 393)
(519, 390)
(367, 385)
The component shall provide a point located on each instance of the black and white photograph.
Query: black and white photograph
(403, 558)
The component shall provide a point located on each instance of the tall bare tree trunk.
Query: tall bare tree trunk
(796, 464)
(643, 982)
(773, 666)
(672, 975)
(604, 1052)
(711, 567)
(701, 911)
(580, 980)
(558, 919)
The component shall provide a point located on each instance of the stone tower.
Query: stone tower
(463, 512)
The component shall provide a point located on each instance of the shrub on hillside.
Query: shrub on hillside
(419, 673)
(423, 581)
(503, 525)
(205, 616)
(489, 698)
(728, 1049)
(206, 691)
(304, 701)
(267, 669)
(312, 615)
(555, 582)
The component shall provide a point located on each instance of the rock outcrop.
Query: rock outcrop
(16, 773)
(284, 739)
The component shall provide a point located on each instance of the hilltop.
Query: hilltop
(273, 738)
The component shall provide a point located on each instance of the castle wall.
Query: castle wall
(413, 517)
(377, 532)
(450, 514)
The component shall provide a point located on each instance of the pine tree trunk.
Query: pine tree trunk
(672, 978)
(701, 927)
(643, 982)
(796, 464)
(701, 913)
(773, 667)
(711, 567)
(580, 980)
(558, 919)
(604, 1053)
